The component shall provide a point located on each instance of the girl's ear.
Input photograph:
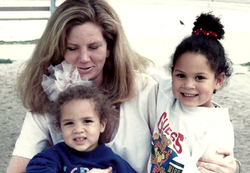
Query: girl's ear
(219, 81)
(103, 125)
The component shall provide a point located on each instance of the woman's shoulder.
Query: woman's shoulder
(41, 120)
(144, 80)
(154, 75)
(159, 75)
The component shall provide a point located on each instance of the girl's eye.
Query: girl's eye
(199, 78)
(180, 75)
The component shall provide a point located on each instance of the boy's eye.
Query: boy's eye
(68, 123)
(88, 121)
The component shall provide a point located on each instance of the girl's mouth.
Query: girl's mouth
(189, 95)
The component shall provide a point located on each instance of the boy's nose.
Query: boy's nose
(78, 129)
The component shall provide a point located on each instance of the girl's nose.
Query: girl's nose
(189, 84)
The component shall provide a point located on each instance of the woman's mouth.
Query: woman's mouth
(84, 70)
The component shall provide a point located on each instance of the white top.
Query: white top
(183, 134)
(132, 136)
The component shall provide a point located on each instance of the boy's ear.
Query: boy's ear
(103, 125)
(220, 80)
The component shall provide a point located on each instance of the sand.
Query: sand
(11, 113)
(235, 96)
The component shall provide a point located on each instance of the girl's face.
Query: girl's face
(80, 125)
(87, 51)
(194, 81)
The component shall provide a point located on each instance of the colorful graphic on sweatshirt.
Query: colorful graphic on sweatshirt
(166, 145)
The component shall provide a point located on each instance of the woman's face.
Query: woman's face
(87, 51)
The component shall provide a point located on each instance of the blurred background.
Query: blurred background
(153, 26)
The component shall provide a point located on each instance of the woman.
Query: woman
(89, 35)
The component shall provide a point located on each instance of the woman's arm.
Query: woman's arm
(211, 164)
(17, 164)
(33, 138)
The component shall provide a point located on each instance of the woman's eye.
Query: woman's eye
(71, 48)
(94, 47)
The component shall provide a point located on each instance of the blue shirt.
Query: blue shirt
(61, 158)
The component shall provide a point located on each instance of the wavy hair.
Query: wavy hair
(119, 69)
(94, 95)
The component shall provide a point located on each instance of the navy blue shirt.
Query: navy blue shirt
(61, 158)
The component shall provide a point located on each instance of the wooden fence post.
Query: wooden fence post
(52, 6)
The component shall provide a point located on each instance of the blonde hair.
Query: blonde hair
(119, 69)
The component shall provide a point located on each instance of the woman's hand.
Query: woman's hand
(212, 165)
(108, 170)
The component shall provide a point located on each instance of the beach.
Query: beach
(235, 96)
(153, 35)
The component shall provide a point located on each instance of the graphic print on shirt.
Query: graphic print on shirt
(166, 145)
(81, 170)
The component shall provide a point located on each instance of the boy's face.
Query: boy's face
(194, 81)
(80, 125)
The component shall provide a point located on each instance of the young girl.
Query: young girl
(82, 112)
(189, 124)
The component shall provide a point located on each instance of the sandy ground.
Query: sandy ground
(235, 96)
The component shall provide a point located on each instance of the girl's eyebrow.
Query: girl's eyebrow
(179, 71)
(199, 73)
(202, 73)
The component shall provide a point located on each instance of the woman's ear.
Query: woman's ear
(219, 81)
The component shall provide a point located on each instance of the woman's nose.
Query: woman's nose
(84, 55)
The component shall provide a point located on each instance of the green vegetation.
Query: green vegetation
(246, 64)
(5, 61)
(19, 42)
